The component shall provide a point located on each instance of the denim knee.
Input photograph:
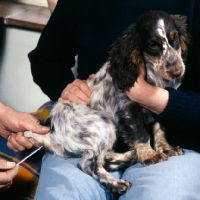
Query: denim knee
(62, 179)
(176, 178)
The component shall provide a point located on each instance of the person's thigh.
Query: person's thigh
(61, 179)
(178, 178)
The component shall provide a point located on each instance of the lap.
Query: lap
(177, 178)
(62, 179)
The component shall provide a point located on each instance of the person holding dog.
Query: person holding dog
(87, 29)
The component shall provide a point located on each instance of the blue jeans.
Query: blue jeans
(178, 178)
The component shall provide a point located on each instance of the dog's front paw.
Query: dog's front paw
(120, 186)
(28, 134)
(157, 158)
(173, 151)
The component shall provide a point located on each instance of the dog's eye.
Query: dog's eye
(154, 46)
(175, 38)
(175, 42)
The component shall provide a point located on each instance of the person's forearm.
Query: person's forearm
(150, 97)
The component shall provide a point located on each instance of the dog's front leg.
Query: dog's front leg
(146, 155)
(115, 161)
(136, 135)
(160, 143)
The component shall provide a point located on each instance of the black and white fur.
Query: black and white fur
(90, 131)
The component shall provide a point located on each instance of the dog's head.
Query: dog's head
(161, 41)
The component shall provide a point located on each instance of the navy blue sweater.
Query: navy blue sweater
(87, 28)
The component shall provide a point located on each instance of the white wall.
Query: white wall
(17, 88)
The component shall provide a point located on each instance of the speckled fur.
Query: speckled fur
(90, 132)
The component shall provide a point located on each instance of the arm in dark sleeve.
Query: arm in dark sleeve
(54, 55)
(182, 111)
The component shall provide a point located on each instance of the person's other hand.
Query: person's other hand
(148, 96)
(8, 171)
(78, 92)
(12, 121)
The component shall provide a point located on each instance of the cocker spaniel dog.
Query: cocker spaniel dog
(90, 131)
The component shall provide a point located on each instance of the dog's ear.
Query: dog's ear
(124, 59)
(181, 25)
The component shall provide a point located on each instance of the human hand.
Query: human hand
(12, 121)
(148, 96)
(78, 92)
(8, 171)
(18, 142)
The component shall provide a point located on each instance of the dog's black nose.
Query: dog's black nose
(176, 73)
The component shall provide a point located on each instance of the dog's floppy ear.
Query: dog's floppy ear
(181, 25)
(124, 59)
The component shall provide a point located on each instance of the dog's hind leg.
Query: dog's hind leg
(92, 164)
(93, 160)
(46, 141)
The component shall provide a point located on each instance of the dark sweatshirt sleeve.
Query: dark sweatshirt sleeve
(182, 111)
(54, 55)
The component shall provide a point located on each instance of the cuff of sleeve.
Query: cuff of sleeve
(175, 110)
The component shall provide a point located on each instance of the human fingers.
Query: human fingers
(83, 86)
(5, 186)
(78, 92)
(5, 165)
(13, 144)
(6, 178)
(22, 121)
(63, 100)
(4, 133)
(21, 141)
(33, 124)
(91, 76)
(75, 95)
